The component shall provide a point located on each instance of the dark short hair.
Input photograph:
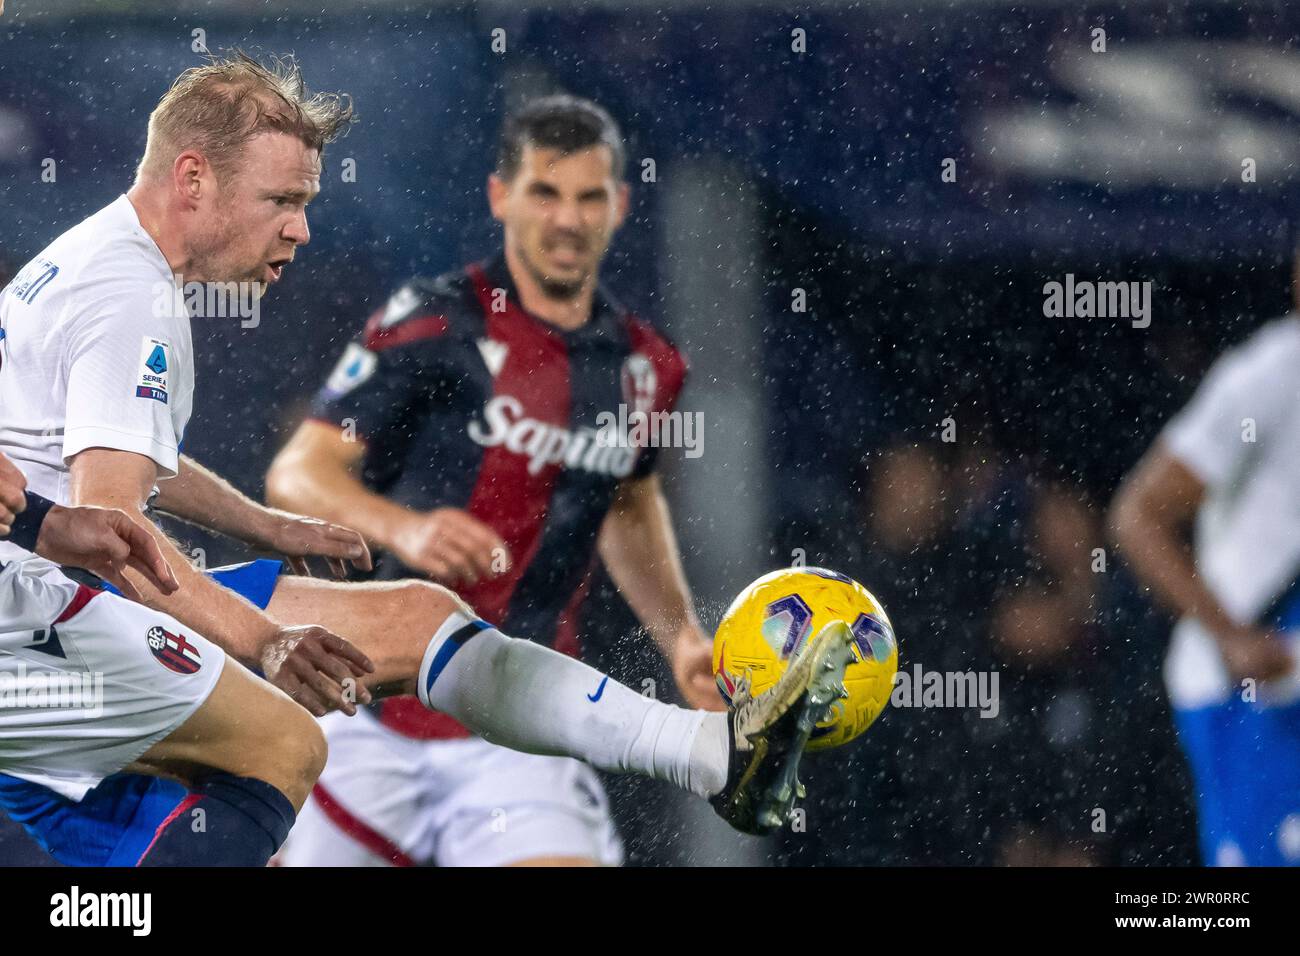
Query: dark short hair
(567, 123)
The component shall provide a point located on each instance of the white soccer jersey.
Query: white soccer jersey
(96, 353)
(1240, 435)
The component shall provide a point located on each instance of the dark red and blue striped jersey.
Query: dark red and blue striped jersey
(466, 400)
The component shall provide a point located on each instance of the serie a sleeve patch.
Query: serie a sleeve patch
(354, 368)
(155, 364)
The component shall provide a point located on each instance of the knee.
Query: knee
(431, 600)
(308, 749)
(300, 752)
(313, 752)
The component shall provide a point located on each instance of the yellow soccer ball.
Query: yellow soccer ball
(778, 614)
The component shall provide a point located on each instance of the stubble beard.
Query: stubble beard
(558, 290)
(209, 256)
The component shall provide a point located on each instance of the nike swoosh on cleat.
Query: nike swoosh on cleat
(599, 690)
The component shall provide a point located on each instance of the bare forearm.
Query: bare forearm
(329, 491)
(199, 496)
(220, 615)
(1161, 556)
(640, 552)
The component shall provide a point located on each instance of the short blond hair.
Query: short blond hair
(218, 107)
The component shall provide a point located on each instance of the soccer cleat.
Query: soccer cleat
(768, 733)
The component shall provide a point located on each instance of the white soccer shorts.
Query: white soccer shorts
(89, 681)
(389, 800)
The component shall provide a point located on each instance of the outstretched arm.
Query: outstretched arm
(317, 472)
(309, 663)
(199, 496)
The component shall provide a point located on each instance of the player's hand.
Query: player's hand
(298, 538)
(13, 494)
(319, 670)
(692, 665)
(1254, 653)
(105, 542)
(451, 546)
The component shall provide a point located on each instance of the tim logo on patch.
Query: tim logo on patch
(174, 651)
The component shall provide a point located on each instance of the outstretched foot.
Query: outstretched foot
(768, 733)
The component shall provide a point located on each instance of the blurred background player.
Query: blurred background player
(1229, 463)
(431, 438)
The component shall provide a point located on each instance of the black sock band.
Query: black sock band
(226, 821)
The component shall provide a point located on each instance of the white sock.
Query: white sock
(528, 697)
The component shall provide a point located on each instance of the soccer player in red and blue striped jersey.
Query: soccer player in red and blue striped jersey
(462, 434)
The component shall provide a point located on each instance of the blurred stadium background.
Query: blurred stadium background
(779, 166)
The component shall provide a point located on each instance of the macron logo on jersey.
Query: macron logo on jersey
(494, 355)
(400, 305)
(154, 364)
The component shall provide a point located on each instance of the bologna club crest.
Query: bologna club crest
(174, 651)
(639, 383)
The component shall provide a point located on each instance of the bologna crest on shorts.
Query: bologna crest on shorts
(174, 651)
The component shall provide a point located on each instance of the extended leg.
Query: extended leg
(528, 697)
(512, 692)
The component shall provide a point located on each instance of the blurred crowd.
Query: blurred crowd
(949, 446)
(988, 569)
